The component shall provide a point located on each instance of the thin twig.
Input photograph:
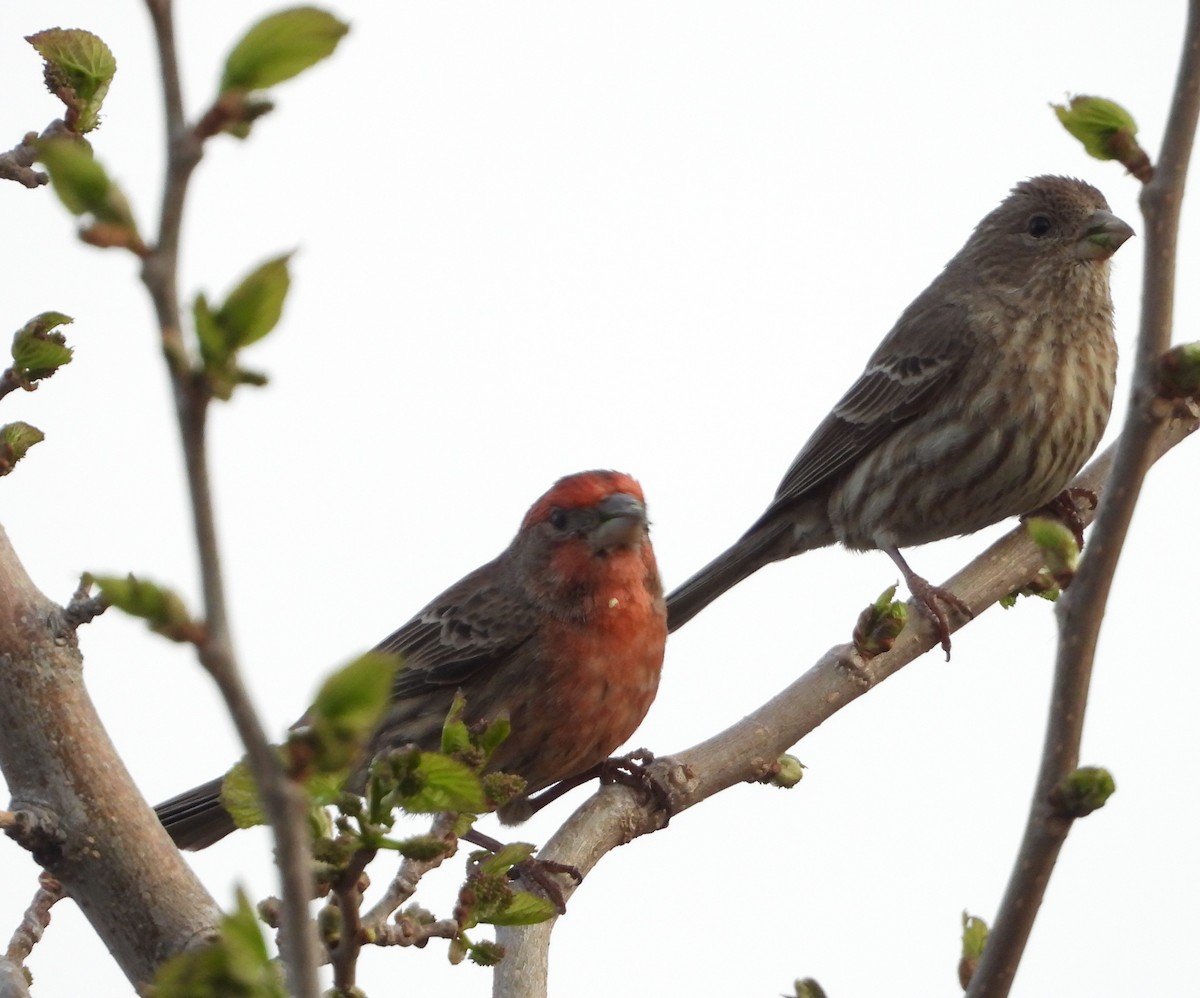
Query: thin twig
(282, 801)
(35, 920)
(616, 814)
(1081, 610)
(404, 884)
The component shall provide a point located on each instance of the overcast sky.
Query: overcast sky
(535, 238)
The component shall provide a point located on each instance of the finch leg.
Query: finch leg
(931, 598)
(629, 770)
(1065, 507)
(537, 871)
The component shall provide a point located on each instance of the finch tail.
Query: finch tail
(762, 545)
(196, 818)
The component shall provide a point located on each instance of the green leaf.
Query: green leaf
(161, 608)
(455, 736)
(239, 796)
(15, 441)
(974, 935)
(348, 709)
(506, 857)
(214, 350)
(237, 965)
(879, 625)
(438, 783)
(523, 909)
(85, 188)
(37, 351)
(1094, 121)
(255, 305)
(79, 68)
(280, 46)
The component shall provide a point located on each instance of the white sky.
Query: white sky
(663, 237)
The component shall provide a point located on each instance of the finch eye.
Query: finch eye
(558, 519)
(1039, 225)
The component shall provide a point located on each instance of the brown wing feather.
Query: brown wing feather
(895, 387)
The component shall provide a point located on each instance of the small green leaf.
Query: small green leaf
(237, 965)
(1107, 131)
(523, 909)
(161, 608)
(1057, 543)
(79, 68)
(85, 188)
(15, 441)
(347, 710)
(37, 350)
(506, 857)
(239, 796)
(879, 625)
(455, 736)
(974, 938)
(254, 306)
(280, 46)
(214, 350)
(1093, 121)
(438, 783)
(974, 935)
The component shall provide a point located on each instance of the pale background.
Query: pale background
(663, 237)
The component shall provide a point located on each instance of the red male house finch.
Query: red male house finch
(564, 633)
(984, 400)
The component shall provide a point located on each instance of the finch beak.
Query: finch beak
(621, 522)
(1104, 235)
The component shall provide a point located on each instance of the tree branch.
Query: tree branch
(746, 750)
(283, 803)
(1081, 610)
(74, 803)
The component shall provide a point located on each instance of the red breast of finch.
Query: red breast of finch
(984, 400)
(563, 633)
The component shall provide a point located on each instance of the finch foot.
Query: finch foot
(632, 771)
(1065, 507)
(932, 599)
(538, 872)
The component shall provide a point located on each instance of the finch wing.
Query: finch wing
(922, 354)
(473, 626)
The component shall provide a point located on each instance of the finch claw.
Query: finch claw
(632, 771)
(1065, 507)
(932, 600)
(541, 873)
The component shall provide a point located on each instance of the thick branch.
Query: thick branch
(744, 751)
(1081, 611)
(125, 874)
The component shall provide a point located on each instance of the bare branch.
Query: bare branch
(615, 815)
(283, 802)
(74, 803)
(1082, 609)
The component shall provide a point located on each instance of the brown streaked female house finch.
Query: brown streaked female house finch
(984, 400)
(564, 633)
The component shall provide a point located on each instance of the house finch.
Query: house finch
(563, 633)
(983, 401)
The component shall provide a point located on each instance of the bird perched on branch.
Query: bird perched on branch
(984, 400)
(563, 633)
